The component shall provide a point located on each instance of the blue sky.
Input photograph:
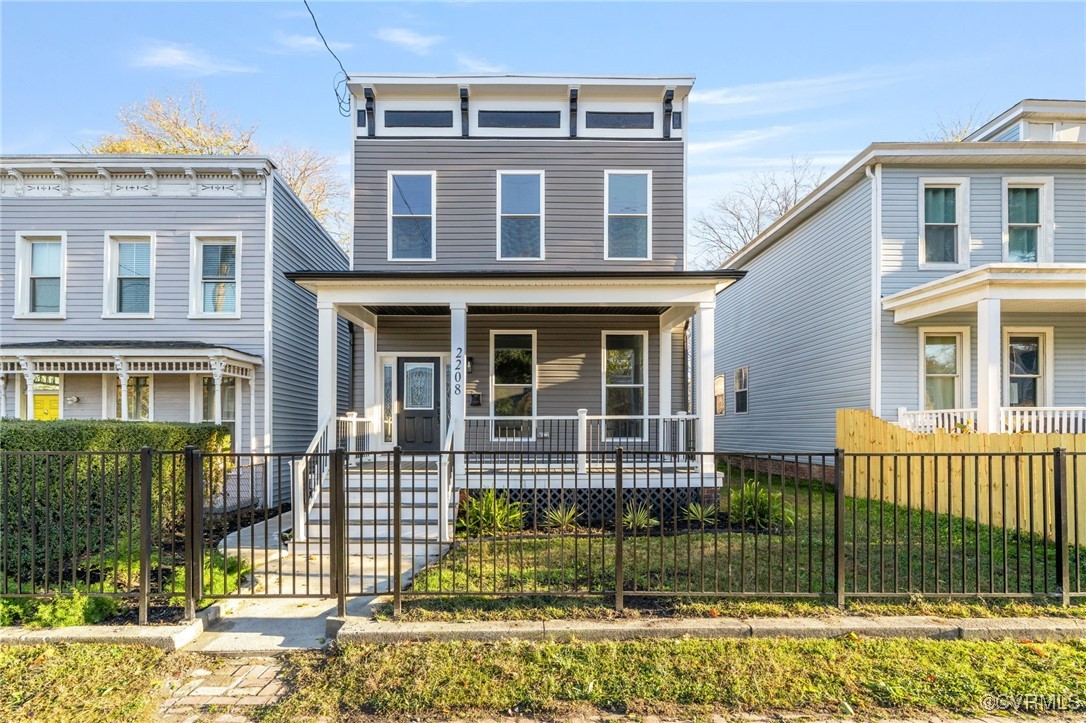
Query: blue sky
(773, 79)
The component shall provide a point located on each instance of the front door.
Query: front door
(419, 402)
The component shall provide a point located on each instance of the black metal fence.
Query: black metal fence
(175, 528)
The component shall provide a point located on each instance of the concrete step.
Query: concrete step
(322, 511)
(357, 498)
(423, 529)
(419, 550)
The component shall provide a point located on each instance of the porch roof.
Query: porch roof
(1050, 288)
(104, 356)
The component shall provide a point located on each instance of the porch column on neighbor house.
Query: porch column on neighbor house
(326, 361)
(706, 362)
(252, 412)
(121, 367)
(28, 379)
(664, 395)
(988, 364)
(371, 411)
(458, 338)
(4, 395)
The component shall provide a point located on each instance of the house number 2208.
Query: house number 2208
(458, 372)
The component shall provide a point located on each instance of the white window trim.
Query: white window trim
(1047, 366)
(542, 216)
(535, 384)
(109, 398)
(433, 215)
(964, 393)
(736, 389)
(645, 374)
(196, 296)
(654, 106)
(501, 104)
(723, 395)
(1046, 206)
(961, 209)
(22, 274)
(196, 398)
(607, 213)
(109, 283)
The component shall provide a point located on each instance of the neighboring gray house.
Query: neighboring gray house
(938, 284)
(519, 275)
(153, 288)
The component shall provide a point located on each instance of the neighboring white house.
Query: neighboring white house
(938, 284)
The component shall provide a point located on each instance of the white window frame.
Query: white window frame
(433, 215)
(963, 394)
(745, 388)
(22, 273)
(109, 399)
(197, 240)
(961, 210)
(646, 376)
(110, 273)
(196, 382)
(607, 214)
(535, 384)
(542, 215)
(723, 395)
(654, 106)
(1047, 387)
(1046, 208)
(500, 104)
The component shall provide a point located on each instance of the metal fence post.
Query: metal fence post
(190, 506)
(619, 576)
(839, 525)
(145, 534)
(397, 531)
(1059, 499)
(196, 564)
(339, 529)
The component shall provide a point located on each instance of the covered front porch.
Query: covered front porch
(522, 364)
(1019, 330)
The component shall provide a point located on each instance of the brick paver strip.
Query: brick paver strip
(248, 683)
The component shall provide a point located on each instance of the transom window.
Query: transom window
(216, 287)
(942, 371)
(129, 287)
(520, 214)
(628, 233)
(513, 383)
(411, 216)
(624, 376)
(740, 383)
(40, 272)
(228, 390)
(139, 398)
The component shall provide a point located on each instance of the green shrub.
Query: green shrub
(74, 608)
(489, 514)
(562, 518)
(638, 516)
(77, 435)
(753, 505)
(699, 514)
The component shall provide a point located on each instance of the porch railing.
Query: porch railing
(927, 421)
(353, 433)
(1039, 420)
(581, 433)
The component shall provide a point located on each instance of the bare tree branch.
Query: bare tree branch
(956, 128)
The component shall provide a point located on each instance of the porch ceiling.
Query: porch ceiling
(436, 310)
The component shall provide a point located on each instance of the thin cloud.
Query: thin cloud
(477, 65)
(187, 59)
(409, 40)
(307, 43)
(739, 140)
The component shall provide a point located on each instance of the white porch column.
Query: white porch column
(664, 395)
(706, 363)
(371, 410)
(28, 379)
(217, 365)
(252, 412)
(458, 343)
(122, 381)
(326, 361)
(988, 366)
(4, 395)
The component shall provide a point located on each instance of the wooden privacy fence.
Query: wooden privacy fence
(1003, 480)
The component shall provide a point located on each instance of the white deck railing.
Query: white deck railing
(581, 433)
(1040, 420)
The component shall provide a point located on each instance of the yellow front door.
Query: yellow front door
(46, 407)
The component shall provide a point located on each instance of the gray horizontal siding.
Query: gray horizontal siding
(466, 199)
(800, 323)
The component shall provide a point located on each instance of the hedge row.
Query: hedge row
(73, 435)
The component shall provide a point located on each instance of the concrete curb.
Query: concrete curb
(167, 637)
(350, 629)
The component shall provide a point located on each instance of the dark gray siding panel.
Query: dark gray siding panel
(467, 206)
(299, 242)
(801, 323)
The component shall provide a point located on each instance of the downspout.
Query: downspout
(876, 287)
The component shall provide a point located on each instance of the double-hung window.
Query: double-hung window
(740, 384)
(1027, 233)
(944, 223)
(944, 361)
(520, 214)
(40, 270)
(411, 217)
(513, 385)
(129, 279)
(1027, 356)
(228, 390)
(628, 211)
(138, 389)
(625, 399)
(718, 394)
(216, 271)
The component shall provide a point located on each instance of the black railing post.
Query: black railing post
(839, 524)
(339, 528)
(1059, 498)
(145, 534)
(619, 576)
(196, 564)
(189, 504)
(397, 531)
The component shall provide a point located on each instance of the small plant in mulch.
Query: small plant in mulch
(638, 516)
(754, 506)
(562, 518)
(489, 514)
(696, 514)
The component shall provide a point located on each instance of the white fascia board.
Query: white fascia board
(180, 354)
(1056, 109)
(136, 163)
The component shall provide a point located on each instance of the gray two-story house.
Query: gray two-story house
(519, 274)
(153, 288)
(941, 285)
